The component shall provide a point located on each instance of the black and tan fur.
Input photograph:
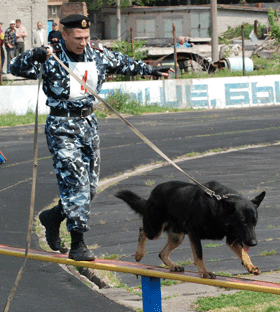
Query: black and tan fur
(180, 208)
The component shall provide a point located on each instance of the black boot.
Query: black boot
(79, 251)
(51, 220)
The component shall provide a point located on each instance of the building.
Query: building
(28, 11)
(190, 21)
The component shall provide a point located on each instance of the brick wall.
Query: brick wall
(74, 8)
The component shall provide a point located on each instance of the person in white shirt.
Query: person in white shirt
(21, 33)
(39, 36)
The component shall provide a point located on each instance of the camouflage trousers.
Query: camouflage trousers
(74, 145)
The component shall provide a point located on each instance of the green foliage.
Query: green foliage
(237, 32)
(275, 28)
(117, 99)
(126, 48)
(272, 16)
(125, 104)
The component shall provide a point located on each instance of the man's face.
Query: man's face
(55, 28)
(12, 26)
(18, 24)
(76, 39)
(39, 25)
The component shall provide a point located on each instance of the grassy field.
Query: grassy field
(131, 108)
(242, 301)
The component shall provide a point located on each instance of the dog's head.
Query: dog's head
(242, 218)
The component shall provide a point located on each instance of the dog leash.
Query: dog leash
(136, 131)
(32, 200)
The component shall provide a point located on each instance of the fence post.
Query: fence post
(243, 50)
(151, 294)
(132, 48)
(175, 51)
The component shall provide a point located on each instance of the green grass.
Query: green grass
(169, 282)
(111, 257)
(268, 253)
(243, 300)
(211, 245)
(11, 120)
(261, 67)
(187, 262)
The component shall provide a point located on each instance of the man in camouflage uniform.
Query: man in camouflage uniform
(71, 128)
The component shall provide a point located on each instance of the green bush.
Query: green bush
(275, 28)
(237, 32)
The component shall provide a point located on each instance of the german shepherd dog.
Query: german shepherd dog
(180, 208)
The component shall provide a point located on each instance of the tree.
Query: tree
(132, 51)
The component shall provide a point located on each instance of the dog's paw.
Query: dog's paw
(207, 274)
(177, 268)
(138, 256)
(255, 270)
(252, 269)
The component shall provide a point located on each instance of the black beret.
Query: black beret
(76, 21)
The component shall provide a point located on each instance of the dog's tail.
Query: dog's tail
(134, 201)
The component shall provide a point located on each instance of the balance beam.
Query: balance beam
(151, 275)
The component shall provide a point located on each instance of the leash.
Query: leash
(32, 200)
(137, 132)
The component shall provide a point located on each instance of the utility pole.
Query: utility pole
(132, 50)
(118, 20)
(243, 50)
(214, 31)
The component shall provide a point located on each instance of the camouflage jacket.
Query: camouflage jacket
(56, 81)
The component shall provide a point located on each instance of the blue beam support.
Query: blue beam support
(151, 294)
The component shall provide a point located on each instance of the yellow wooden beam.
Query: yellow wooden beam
(145, 270)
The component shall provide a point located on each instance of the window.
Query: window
(145, 28)
(168, 27)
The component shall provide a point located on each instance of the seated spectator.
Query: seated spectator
(182, 43)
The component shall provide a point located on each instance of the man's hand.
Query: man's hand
(41, 54)
(159, 71)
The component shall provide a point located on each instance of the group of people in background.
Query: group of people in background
(13, 41)
(14, 36)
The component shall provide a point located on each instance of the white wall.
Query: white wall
(21, 99)
(208, 93)
(235, 18)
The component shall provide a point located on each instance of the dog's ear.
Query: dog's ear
(258, 199)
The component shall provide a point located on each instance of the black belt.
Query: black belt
(78, 112)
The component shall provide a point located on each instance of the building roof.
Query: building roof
(178, 8)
